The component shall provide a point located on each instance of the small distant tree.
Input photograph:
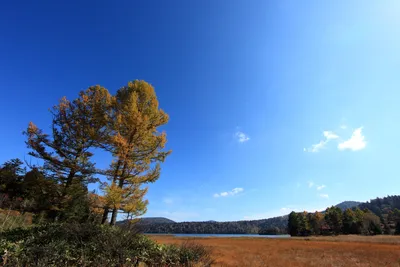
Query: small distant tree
(396, 217)
(41, 193)
(304, 225)
(11, 176)
(371, 224)
(316, 220)
(333, 217)
(293, 224)
(348, 221)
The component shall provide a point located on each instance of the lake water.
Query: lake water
(226, 235)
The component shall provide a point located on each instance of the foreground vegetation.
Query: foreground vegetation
(93, 245)
(329, 251)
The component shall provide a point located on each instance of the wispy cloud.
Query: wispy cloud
(356, 141)
(241, 137)
(168, 200)
(343, 127)
(320, 187)
(316, 147)
(324, 195)
(233, 192)
(310, 184)
(329, 135)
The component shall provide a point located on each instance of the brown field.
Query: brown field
(314, 251)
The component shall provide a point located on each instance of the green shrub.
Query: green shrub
(93, 245)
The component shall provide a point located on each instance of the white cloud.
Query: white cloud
(233, 192)
(320, 187)
(310, 184)
(168, 200)
(356, 141)
(237, 190)
(324, 195)
(344, 127)
(242, 137)
(330, 135)
(317, 147)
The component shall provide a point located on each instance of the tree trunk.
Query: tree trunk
(114, 216)
(69, 179)
(105, 215)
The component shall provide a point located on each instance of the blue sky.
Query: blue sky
(274, 105)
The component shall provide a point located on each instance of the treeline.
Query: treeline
(334, 221)
(235, 227)
(124, 125)
(379, 216)
(387, 209)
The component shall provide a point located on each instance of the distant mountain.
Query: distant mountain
(213, 227)
(382, 207)
(348, 205)
(151, 221)
(156, 220)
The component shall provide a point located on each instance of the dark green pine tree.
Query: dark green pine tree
(293, 224)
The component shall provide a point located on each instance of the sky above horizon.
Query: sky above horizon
(274, 105)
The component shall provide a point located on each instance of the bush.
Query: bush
(93, 245)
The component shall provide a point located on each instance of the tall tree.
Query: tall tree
(293, 224)
(11, 177)
(371, 224)
(77, 127)
(304, 224)
(333, 217)
(348, 221)
(316, 221)
(137, 147)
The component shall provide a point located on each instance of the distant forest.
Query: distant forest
(378, 216)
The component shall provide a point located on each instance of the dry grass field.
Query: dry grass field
(314, 251)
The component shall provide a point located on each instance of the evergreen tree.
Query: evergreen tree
(77, 127)
(348, 221)
(293, 224)
(304, 225)
(333, 217)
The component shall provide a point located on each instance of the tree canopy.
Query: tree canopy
(125, 125)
